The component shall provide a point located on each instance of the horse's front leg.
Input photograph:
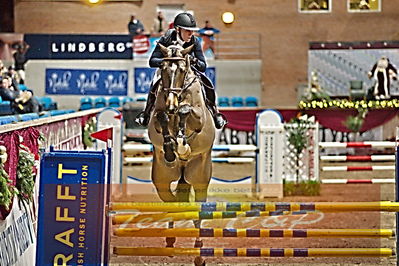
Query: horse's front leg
(168, 145)
(183, 149)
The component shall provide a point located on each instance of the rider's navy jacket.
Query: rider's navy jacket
(168, 39)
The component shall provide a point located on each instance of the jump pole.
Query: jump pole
(384, 206)
(256, 252)
(264, 233)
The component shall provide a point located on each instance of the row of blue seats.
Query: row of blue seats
(8, 119)
(238, 101)
(46, 102)
(100, 102)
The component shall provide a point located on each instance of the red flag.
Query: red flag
(103, 135)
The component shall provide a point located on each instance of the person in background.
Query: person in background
(208, 36)
(135, 26)
(382, 72)
(8, 45)
(182, 34)
(20, 61)
(22, 101)
(160, 25)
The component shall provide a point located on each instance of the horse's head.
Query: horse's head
(174, 70)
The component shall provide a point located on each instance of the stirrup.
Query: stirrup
(142, 119)
(220, 120)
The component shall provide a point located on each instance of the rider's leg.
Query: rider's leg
(219, 119)
(144, 117)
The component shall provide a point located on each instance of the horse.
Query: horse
(182, 132)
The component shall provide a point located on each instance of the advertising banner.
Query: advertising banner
(71, 208)
(143, 77)
(86, 81)
(79, 46)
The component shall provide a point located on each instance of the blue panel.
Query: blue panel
(86, 81)
(143, 78)
(72, 189)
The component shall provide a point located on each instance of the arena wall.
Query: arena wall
(244, 72)
(285, 33)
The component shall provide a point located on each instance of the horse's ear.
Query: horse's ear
(188, 61)
(164, 49)
(187, 50)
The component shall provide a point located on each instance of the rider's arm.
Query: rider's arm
(156, 57)
(201, 62)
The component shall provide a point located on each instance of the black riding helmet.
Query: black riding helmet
(185, 21)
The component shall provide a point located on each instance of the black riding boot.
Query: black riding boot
(219, 119)
(144, 117)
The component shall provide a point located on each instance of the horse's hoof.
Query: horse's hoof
(198, 244)
(199, 261)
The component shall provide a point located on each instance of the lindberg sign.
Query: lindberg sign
(79, 46)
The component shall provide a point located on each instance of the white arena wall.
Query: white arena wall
(233, 77)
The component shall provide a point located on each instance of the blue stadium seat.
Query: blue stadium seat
(223, 102)
(86, 103)
(251, 101)
(47, 103)
(100, 102)
(114, 102)
(28, 116)
(5, 107)
(8, 119)
(127, 100)
(237, 101)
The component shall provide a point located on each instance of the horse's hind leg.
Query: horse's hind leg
(168, 145)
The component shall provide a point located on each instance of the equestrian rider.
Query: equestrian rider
(182, 34)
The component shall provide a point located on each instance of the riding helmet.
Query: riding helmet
(185, 21)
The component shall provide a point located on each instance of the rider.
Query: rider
(182, 34)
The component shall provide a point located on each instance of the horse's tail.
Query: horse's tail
(183, 189)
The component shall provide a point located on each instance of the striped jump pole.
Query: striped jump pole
(214, 160)
(256, 252)
(385, 206)
(202, 215)
(358, 158)
(221, 147)
(359, 181)
(358, 168)
(264, 233)
(365, 144)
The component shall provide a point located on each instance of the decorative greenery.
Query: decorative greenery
(355, 123)
(297, 137)
(314, 92)
(90, 127)
(346, 104)
(25, 175)
(6, 189)
(305, 188)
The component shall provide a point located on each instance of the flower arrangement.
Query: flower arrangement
(25, 175)
(89, 128)
(6, 189)
(345, 104)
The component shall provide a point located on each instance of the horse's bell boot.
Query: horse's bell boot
(220, 120)
(142, 119)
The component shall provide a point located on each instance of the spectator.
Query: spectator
(381, 72)
(207, 33)
(3, 69)
(185, 25)
(135, 26)
(21, 101)
(160, 25)
(8, 44)
(20, 61)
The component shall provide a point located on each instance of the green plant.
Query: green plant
(6, 189)
(297, 137)
(89, 127)
(25, 175)
(355, 123)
